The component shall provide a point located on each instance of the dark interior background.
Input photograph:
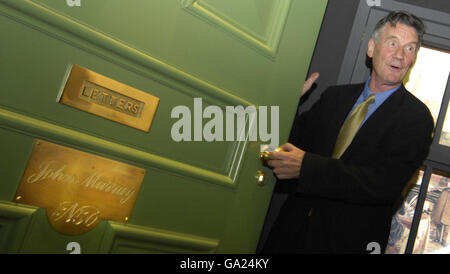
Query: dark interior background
(327, 60)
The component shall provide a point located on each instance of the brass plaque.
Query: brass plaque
(78, 189)
(97, 94)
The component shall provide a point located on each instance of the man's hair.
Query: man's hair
(402, 17)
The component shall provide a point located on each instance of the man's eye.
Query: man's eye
(410, 48)
(392, 43)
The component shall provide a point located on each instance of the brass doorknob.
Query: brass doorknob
(260, 178)
(264, 155)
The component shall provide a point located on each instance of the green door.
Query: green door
(197, 195)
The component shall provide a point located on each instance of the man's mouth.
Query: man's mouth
(395, 68)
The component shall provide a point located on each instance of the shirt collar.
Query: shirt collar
(379, 96)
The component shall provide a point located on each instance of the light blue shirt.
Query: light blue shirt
(380, 97)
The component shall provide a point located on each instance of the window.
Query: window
(434, 226)
(422, 221)
(429, 84)
(403, 218)
(445, 134)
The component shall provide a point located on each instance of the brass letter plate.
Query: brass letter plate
(97, 94)
(78, 189)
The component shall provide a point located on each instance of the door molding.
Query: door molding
(69, 137)
(266, 44)
(145, 239)
(65, 29)
(14, 222)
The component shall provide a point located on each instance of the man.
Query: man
(350, 156)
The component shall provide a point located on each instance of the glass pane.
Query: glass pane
(402, 220)
(445, 134)
(428, 78)
(433, 232)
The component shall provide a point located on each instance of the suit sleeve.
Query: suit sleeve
(304, 127)
(300, 137)
(379, 182)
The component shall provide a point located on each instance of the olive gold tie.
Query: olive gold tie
(351, 126)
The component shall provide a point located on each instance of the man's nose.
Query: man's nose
(399, 53)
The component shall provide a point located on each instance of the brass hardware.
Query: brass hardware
(77, 188)
(97, 94)
(264, 155)
(260, 178)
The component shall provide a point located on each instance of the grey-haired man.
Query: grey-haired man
(343, 185)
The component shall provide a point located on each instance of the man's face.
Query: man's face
(393, 54)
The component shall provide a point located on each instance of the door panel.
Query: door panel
(195, 196)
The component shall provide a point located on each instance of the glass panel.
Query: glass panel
(402, 220)
(433, 232)
(445, 134)
(428, 78)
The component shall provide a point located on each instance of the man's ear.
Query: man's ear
(371, 47)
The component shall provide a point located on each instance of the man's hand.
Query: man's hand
(286, 164)
(308, 83)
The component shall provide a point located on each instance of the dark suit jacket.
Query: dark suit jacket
(341, 205)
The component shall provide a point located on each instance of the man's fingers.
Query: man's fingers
(283, 173)
(286, 161)
(274, 163)
(280, 155)
(288, 147)
(309, 82)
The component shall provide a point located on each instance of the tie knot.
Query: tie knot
(370, 99)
